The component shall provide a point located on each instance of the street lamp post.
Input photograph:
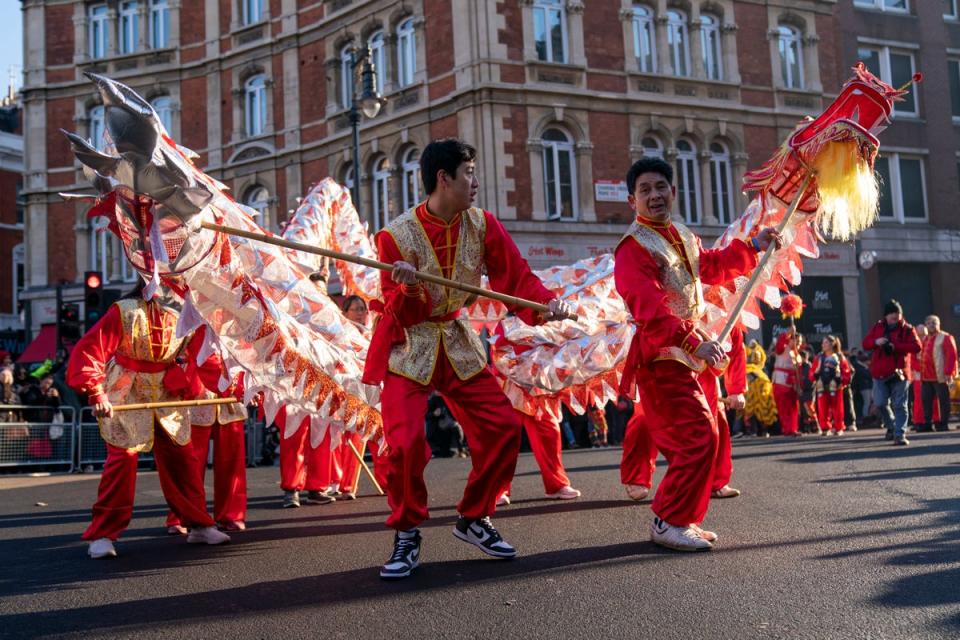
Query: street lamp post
(369, 102)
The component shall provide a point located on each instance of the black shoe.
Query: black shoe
(319, 497)
(406, 555)
(902, 440)
(481, 533)
(291, 499)
(888, 436)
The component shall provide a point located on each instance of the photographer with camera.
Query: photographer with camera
(892, 340)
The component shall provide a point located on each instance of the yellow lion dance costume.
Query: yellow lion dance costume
(760, 404)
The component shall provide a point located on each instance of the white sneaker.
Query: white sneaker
(637, 492)
(566, 493)
(503, 499)
(207, 535)
(709, 536)
(102, 548)
(677, 538)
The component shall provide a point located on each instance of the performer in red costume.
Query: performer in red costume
(939, 369)
(639, 460)
(830, 374)
(421, 344)
(786, 382)
(133, 355)
(303, 466)
(224, 424)
(659, 269)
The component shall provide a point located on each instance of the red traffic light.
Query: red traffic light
(93, 280)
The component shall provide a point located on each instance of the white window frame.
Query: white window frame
(411, 178)
(552, 150)
(956, 73)
(789, 37)
(720, 164)
(378, 56)
(953, 14)
(346, 76)
(406, 53)
(644, 33)
(881, 5)
(97, 127)
(886, 73)
(688, 191)
(107, 255)
(710, 46)
(159, 24)
(545, 9)
(380, 186)
(896, 188)
(129, 27)
(255, 105)
(678, 42)
(654, 151)
(163, 105)
(252, 11)
(259, 204)
(98, 33)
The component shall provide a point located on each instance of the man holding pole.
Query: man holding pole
(659, 269)
(421, 344)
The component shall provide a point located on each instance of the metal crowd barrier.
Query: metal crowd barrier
(29, 443)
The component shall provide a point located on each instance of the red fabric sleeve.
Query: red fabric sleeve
(846, 372)
(407, 305)
(949, 356)
(718, 266)
(509, 272)
(814, 369)
(906, 340)
(637, 279)
(781, 345)
(735, 377)
(211, 370)
(86, 368)
(870, 341)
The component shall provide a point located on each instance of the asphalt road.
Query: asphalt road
(833, 538)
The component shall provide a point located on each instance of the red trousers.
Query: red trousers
(830, 411)
(349, 467)
(303, 467)
(493, 431)
(788, 408)
(181, 485)
(639, 459)
(684, 429)
(229, 469)
(546, 442)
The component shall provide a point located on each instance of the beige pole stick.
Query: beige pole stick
(363, 465)
(172, 404)
(745, 293)
(376, 264)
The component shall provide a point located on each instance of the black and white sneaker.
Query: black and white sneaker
(481, 533)
(406, 555)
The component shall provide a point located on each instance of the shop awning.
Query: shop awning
(43, 347)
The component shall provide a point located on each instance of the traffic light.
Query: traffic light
(92, 298)
(68, 322)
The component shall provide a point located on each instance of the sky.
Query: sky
(11, 42)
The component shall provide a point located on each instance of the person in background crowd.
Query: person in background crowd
(808, 411)
(892, 340)
(786, 381)
(43, 394)
(618, 414)
(849, 405)
(915, 393)
(830, 374)
(862, 385)
(598, 427)
(760, 410)
(939, 368)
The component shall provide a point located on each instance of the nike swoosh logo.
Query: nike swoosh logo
(480, 533)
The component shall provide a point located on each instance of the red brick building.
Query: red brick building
(559, 96)
(11, 217)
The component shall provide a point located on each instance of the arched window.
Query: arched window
(791, 58)
(159, 24)
(550, 30)
(97, 128)
(710, 46)
(406, 53)
(164, 108)
(722, 182)
(129, 27)
(559, 175)
(651, 147)
(381, 193)
(346, 76)
(644, 40)
(688, 182)
(258, 199)
(678, 42)
(255, 105)
(379, 58)
(97, 31)
(252, 11)
(412, 193)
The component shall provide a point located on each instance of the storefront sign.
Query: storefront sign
(823, 315)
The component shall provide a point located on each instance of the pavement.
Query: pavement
(833, 538)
